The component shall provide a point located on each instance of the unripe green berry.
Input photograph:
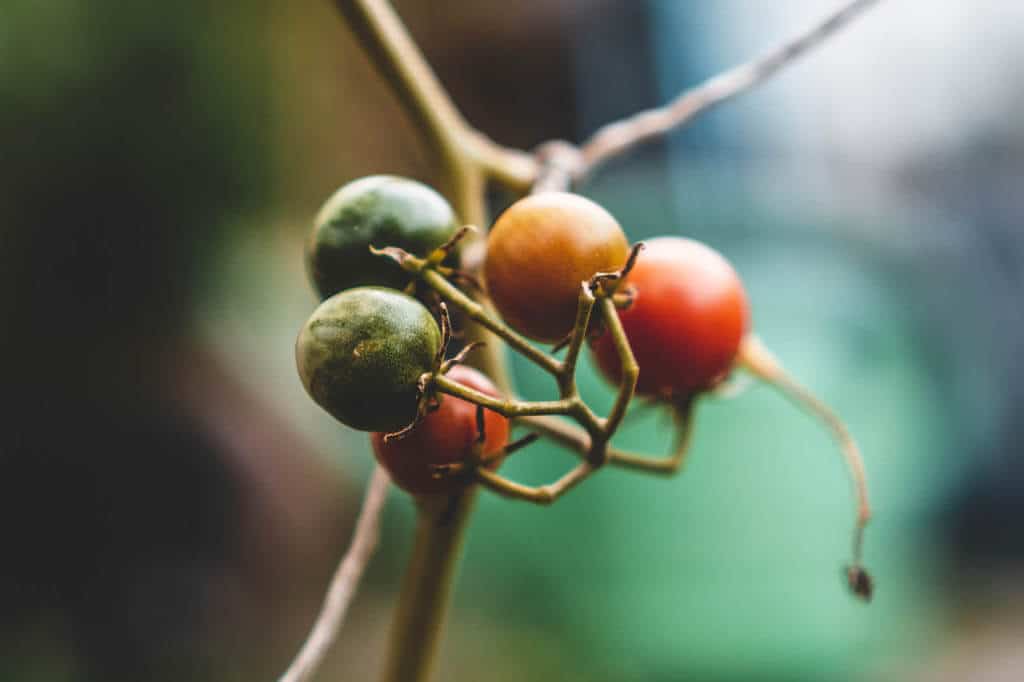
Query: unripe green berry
(378, 211)
(361, 354)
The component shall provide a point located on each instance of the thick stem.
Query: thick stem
(442, 522)
(401, 63)
(423, 602)
(426, 589)
(464, 158)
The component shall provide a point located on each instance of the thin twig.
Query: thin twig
(505, 407)
(759, 361)
(584, 309)
(343, 584)
(630, 370)
(620, 136)
(481, 315)
(556, 161)
(579, 442)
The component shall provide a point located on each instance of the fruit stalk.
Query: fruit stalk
(423, 604)
(467, 160)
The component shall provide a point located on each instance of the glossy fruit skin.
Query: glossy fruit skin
(539, 252)
(379, 210)
(445, 436)
(687, 320)
(361, 354)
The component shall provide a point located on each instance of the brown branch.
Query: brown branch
(400, 61)
(343, 584)
(468, 161)
(616, 138)
(466, 154)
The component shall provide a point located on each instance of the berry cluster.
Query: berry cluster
(667, 320)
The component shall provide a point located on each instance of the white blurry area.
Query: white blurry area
(917, 75)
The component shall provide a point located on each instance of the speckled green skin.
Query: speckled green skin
(361, 353)
(379, 210)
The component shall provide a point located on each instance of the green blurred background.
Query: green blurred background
(172, 504)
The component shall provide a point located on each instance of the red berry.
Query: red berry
(445, 436)
(688, 317)
(539, 253)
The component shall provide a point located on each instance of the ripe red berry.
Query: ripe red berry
(688, 317)
(445, 436)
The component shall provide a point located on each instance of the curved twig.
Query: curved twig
(759, 361)
(616, 138)
(343, 584)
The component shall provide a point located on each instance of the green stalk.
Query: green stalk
(468, 160)
(426, 588)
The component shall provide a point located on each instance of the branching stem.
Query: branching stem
(504, 406)
(463, 151)
(620, 136)
(561, 164)
(468, 160)
(567, 369)
(630, 370)
(578, 441)
(426, 588)
(478, 313)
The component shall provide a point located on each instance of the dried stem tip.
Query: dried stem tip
(761, 363)
(860, 581)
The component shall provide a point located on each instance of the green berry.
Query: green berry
(361, 354)
(379, 211)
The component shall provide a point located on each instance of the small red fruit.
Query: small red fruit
(688, 317)
(445, 436)
(539, 253)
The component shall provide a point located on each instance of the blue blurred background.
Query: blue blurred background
(172, 504)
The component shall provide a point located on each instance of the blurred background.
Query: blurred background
(172, 504)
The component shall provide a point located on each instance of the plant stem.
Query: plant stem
(400, 62)
(620, 136)
(567, 375)
(343, 584)
(424, 599)
(467, 159)
(760, 362)
(463, 152)
(506, 407)
(630, 371)
(485, 318)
